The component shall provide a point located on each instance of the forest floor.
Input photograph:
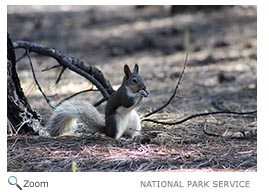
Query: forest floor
(221, 74)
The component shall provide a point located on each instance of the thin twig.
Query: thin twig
(100, 102)
(75, 94)
(35, 79)
(20, 58)
(175, 91)
(208, 132)
(11, 126)
(51, 67)
(242, 134)
(199, 115)
(20, 126)
(60, 75)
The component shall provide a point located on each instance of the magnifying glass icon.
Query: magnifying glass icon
(12, 180)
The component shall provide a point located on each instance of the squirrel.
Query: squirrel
(121, 117)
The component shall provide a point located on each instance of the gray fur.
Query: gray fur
(75, 117)
(121, 117)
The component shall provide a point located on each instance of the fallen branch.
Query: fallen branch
(174, 93)
(198, 115)
(89, 72)
(191, 116)
(209, 133)
(243, 134)
(36, 82)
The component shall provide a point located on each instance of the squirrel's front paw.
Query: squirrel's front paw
(144, 92)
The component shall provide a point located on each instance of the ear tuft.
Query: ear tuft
(127, 71)
(136, 68)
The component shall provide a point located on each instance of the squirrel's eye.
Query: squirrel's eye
(134, 80)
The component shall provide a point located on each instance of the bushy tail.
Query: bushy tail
(75, 117)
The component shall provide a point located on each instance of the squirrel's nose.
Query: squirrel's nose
(143, 87)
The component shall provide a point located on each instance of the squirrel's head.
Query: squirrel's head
(133, 80)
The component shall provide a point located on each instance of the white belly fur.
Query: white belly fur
(128, 122)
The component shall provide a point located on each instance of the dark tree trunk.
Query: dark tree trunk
(21, 117)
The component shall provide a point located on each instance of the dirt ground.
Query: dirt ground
(221, 73)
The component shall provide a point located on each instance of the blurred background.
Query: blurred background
(221, 42)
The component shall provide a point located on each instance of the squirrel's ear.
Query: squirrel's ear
(127, 71)
(136, 68)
